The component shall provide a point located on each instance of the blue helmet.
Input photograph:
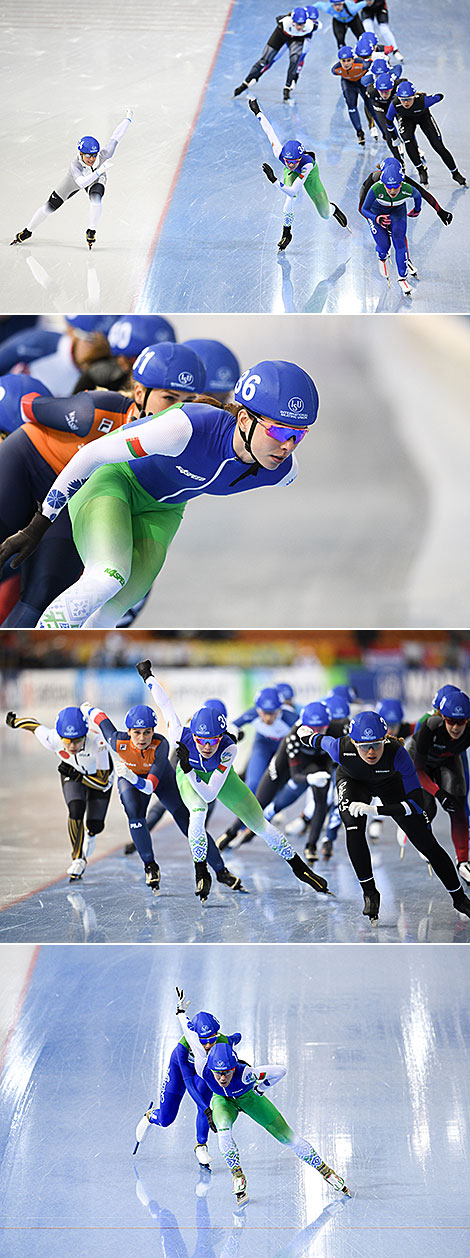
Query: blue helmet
(218, 704)
(391, 710)
(86, 323)
(315, 715)
(345, 52)
(12, 390)
(88, 144)
(140, 717)
(71, 723)
(222, 1057)
(291, 151)
(338, 707)
(379, 66)
(170, 366)
(131, 334)
(384, 82)
(205, 1026)
(405, 90)
(299, 16)
(222, 368)
(455, 706)
(280, 391)
(285, 691)
(367, 727)
(347, 692)
(208, 722)
(268, 699)
(312, 12)
(442, 692)
(392, 173)
(366, 44)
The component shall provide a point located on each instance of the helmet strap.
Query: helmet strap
(143, 409)
(247, 440)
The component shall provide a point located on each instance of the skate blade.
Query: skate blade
(402, 852)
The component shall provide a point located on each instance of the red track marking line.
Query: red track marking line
(19, 1006)
(184, 150)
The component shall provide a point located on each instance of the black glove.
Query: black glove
(446, 801)
(268, 170)
(445, 216)
(253, 105)
(208, 1113)
(23, 543)
(69, 771)
(240, 735)
(145, 669)
(11, 719)
(182, 756)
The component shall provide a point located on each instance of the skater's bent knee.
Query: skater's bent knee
(55, 201)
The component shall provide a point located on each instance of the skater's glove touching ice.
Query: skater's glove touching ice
(358, 809)
(183, 1004)
(208, 1113)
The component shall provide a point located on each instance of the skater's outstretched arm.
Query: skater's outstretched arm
(119, 131)
(161, 700)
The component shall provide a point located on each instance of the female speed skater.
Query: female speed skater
(377, 11)
(410, 109)
(125, 515)
(385, 207)
(298, 163)
(351, 68)
(290, 31)
(271, 720)
(86, 773)
(393, 190)
(181, 1077)
(143, 767)
(82, 173)
(346, 14)
(437, 748)
(240, 1088)
(205, 772)
(370, 764)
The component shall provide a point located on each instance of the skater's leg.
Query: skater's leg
(197, 816)
(135, 804)
(225, 1112)
(433, 134)
(75, 794)
(96, 195)
(381, 239)
(171, 800)
(422, 837)
(317, 193)
(152, 534)
(351, 93)
(398, 233)
(241, 801)
(97, 804)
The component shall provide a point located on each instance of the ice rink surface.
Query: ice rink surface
(378, 1080)
(111, 904)
(189, 220)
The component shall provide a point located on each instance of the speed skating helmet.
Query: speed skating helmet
(392, 173)
(366, 44)
(299, 16)
(222, 368)
(205, 1025)
(367, 727)
(345, 52)
(292, 151)
(338, 707)
(379, 66)
(268, 699)
(405, 90)
(440, 694)
(313, 14)
(285, 691)
(391, 710)
(132, 333)
(170, 366)
(207, 722)
(218, 704)
(88, 144)
(348, 692)
(71, 723)
(384, 82)
(280, 391)
(455, 706)
(140, 717)
(222, 1057)
(315, 715)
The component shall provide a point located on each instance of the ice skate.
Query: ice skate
(373, 132)
(241, 88)
(375, 830)
(287, 94)
(371, 905)
(333, 1179)
(142, 1128)
(202, 1156)
(90, 236)
(327, 849)
(464, 870)
(254, 106)
(129, 849)
(285, 239)
(304, 874)
(461, 902)
(401, 838)
(298, 825)
(411, 270)
(21, 237)
(239, 1185)
(203, 880)
(398, 55)
(88, 845)
(423, 175)
(405, 286)
(226, 838)
(459, 178)
(361, 139)
(310, 853)
(383, 268)
(77, 869)
(340, 217)
(152, 876)
(230, 880)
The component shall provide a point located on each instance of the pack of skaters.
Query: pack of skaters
(410, 109)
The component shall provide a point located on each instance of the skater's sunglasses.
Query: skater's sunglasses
(279, 432)
(373, 745)
(207, 742)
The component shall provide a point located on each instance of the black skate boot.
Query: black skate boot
(285, 238)
(152, 876)
(254, 106)
(327, 849)
(459, 178)
(129, 849)
(21, 237)
(371, 904)
(242, 88)
(203, 880)
(361, 139)
(423, 175)
(229, 880)
(339, 216)
(310, 853)
(461, 902)
(226, 838)
(90, 236)
(304, 874)
(286, 95)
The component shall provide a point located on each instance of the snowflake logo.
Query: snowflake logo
(56, 499)
(73, 485)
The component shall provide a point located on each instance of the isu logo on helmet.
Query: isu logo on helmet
(185, 377)
(69, 729)
(295, 404)
(368, 733)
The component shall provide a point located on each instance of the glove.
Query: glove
(145, 669)
(358, 809)
(413, 213)
(69, 772)
(253, 105)
(23, 543)
(445, 216)
(11, 719)
(183, 1004)
(208, 1113)
(384, 220)
(268, 170)
(318, 779)
(182, 756)
(446, 801)
(305, 733)
(240, 735)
